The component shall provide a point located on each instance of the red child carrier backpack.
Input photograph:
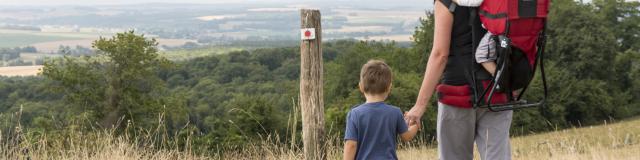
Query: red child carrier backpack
(518, 28)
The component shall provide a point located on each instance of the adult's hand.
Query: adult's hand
(414, 115)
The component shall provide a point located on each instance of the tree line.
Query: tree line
(592, 62)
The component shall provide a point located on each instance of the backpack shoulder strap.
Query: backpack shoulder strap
(449, 4)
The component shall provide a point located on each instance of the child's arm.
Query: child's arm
(490, 66)
(350, 148)
(468, 3)
(350, 138)
(413, 130)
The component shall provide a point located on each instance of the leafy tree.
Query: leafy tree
(121, 83)
(578, 38)
(624, 17)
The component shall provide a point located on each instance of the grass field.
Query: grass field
(48, 42)
(395, 37)
(20, 71)
(605, 142)
(620, 140)
(179, 55)
(53, 46)
(18, 38)
(9, 40)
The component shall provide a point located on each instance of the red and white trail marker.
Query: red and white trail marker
(308, 33)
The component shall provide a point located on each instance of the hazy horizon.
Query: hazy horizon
(125, 2)
(50, 24)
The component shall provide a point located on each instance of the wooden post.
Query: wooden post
(311, 98)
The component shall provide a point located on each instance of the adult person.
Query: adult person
(458, 127)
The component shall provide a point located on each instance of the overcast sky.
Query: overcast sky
(95, 2)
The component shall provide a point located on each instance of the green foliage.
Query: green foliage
(592, 62)
(623, 17)
(120, 84)
(577, 38)
(423, 38)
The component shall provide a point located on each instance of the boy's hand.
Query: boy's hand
(414, 126)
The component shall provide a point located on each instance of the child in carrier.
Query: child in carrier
(520, 26)
(486, 52)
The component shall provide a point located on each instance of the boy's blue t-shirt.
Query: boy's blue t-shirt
(375, 127)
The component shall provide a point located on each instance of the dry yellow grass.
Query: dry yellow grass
(609, 141)
(104, 147)
(605, 142)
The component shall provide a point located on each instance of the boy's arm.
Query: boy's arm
(468, 3)
(350, 138)
(350, 148)
(409, 134)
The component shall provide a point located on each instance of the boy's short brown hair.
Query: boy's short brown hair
(375, 77)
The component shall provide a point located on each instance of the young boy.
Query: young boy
(372, 127)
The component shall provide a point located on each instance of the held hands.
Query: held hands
(411, 122)
(414, 126)
(414, 115)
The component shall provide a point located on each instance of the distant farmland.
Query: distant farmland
(53, 46)
(20, 39)
(48, 42)
(20, 71)
(179, 55)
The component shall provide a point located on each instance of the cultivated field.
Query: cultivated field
(397, 38)
(20, 71)
(178, 55)
(18, 39)
(356, 16)
(53, 46)
(50, 42)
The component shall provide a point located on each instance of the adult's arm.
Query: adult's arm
(437, 61)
